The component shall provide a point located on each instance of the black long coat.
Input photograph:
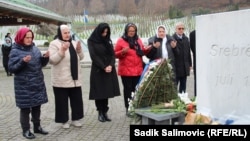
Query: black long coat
(193, 48)
(6, 52)
(102, 85)
(182, 53)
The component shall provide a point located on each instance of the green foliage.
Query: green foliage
(46, 44)
(200, 11)
(178, 106)
(233, 7)
(175, 13)
(155, 88)
(158, 88)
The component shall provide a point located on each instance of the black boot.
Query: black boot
(27, 134)
(40, 130)
(106, 117)
(101, 117)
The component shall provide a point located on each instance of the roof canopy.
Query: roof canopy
(21, 12)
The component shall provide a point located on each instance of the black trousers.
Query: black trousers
(25, 117)
(62, 98)
(5, 64)
(182, 81)
(102, 105)
(129, 85)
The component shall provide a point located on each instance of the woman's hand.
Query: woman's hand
(65, 46)
(125, 50)
(108, 69)
(148, 47)
(173, 43)
(78, 47)
(46, 54)
(27, 58)
(156, 44)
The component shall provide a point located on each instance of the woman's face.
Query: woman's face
(105, 32)
(131, 31)
(161, 32)
(65, 34)
(28, 39)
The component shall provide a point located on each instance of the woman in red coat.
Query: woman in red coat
(129, 49)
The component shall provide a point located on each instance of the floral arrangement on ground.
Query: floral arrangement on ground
(156, 89)
(157, 93)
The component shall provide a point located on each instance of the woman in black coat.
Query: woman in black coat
(6, 47)
(103, 77)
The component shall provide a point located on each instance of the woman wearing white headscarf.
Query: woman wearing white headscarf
(162, 45)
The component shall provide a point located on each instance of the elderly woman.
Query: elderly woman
(162, 47)
(65, 58)
(26, 62)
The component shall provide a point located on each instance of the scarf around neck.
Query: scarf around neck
(73, 56)
(132, 41)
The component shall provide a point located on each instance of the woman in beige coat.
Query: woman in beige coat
(65, 58)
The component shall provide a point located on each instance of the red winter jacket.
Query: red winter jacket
(129, 64)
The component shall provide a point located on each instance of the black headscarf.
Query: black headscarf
(97, 37)
(73, 55)
(133, 41)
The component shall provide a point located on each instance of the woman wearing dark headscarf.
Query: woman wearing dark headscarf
(103, 77)
(129, 49)
(26, 63)
(65, 58)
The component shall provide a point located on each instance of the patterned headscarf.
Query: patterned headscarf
(132, 41)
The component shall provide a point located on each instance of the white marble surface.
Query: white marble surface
(223, 64)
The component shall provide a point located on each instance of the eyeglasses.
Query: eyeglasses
(181, 28)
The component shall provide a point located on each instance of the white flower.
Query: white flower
(170, 66)
(132, 94)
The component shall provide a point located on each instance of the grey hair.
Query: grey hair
(179, 24)
(64, 26)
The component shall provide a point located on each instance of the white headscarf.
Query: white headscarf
(164, 42)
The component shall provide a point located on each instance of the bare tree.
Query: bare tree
(127, 8)
(80, 6)
(46, 30)
(70, 8)
(57, 7)
(110, 6)
(96, 7)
